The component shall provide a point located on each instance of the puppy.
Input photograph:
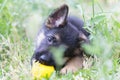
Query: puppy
(61, 29)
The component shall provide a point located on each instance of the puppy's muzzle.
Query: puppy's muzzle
(45, 58)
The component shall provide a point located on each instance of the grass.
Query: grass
(19, 22)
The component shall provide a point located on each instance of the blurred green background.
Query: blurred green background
(21, 19)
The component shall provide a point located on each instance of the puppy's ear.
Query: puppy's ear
(58, 17)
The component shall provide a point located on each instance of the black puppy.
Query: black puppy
(61, 29)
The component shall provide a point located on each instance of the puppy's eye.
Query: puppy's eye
(51, 39)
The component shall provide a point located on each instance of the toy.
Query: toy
(40, 71)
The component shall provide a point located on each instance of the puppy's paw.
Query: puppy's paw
(68, 68)
(72, 65)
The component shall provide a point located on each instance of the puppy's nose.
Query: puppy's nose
(47, 59)
(44, 58)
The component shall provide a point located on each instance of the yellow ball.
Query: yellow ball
(40, 71)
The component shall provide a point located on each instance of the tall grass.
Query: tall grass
(18, 21)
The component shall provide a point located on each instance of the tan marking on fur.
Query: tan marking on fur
(57, 37)
(83, 37)
(49, 20)
(40, 38)
(73, 65)
(77, 51)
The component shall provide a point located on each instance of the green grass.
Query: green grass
(19, 21)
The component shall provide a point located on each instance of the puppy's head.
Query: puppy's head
(59, 28)
(56, 31)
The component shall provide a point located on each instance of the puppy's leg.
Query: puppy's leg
(73, 65)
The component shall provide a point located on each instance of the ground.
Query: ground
(19, 23)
